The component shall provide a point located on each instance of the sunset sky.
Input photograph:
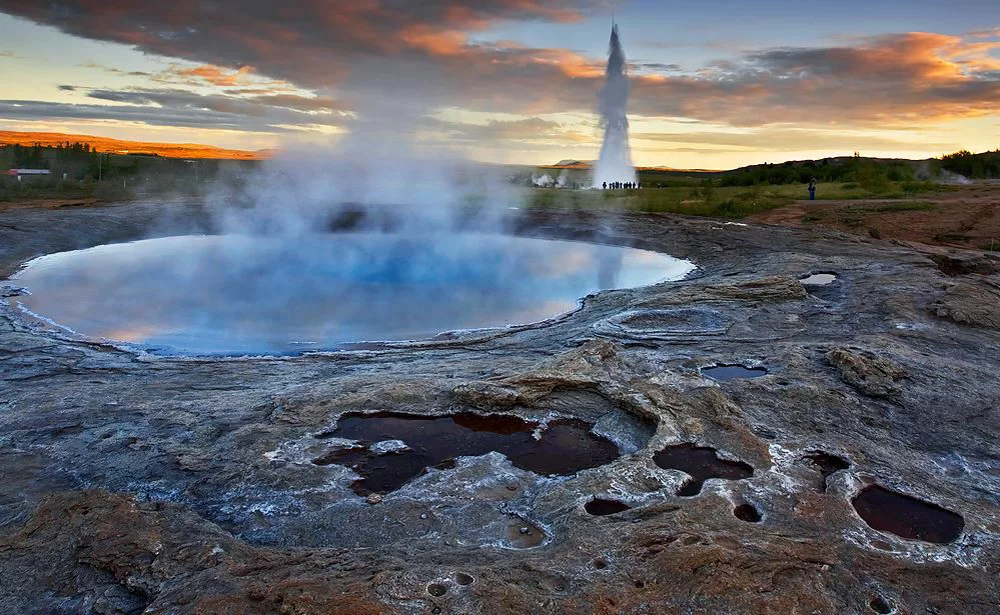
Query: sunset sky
(716, 84)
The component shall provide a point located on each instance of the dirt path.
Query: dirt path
(967, 217)
(47, 203)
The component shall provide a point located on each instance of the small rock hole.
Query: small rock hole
(436, 589)
(600, 564)
(746, 512)
(464, 579)
(881, 605)
(601, 507)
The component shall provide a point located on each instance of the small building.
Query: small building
(19, 173)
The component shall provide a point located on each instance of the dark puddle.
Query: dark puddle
(746, 512)
(601, 507)
(907, 517)
(701, 463)
(733, 372)
(881, 605)
(827, 465)
(565, 446)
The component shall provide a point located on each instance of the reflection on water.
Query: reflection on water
(238, 294)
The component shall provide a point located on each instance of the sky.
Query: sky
(715, 84)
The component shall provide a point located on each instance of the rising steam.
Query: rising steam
(615, 164)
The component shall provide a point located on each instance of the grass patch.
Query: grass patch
(708, 200)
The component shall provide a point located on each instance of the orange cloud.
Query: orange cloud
(216, 75)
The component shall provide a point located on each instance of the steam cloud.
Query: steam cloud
(615, 164)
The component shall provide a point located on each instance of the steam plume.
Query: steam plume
(615, 164)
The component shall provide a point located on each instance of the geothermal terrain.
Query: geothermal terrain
(806, 423)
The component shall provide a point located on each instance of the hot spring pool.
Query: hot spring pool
(239, 294)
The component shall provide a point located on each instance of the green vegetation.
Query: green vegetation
(748, 190)
(703, 199)
(973, 166)
(706, 198)
(79, 172)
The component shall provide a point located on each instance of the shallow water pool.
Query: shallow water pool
(240, 294)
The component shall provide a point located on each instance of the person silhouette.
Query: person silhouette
(605, 185)
(812, 189)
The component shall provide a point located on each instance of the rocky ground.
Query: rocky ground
(132, 483)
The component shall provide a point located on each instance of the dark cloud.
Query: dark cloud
(902, 79)
(67, 88)
(186, 109)
(392, 57)
(285, 107)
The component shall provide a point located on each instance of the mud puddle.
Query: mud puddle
(564, 447)
(733, 372)
(702, 463)
(907, 517)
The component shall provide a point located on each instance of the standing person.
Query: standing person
(812, 189)
(605, 185)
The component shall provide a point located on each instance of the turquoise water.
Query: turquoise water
(241, 294)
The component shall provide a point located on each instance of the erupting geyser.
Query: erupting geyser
(615, 164)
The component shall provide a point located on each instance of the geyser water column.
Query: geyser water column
(615, 164)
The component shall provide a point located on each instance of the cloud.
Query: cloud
(657, 67)
(390, 58)
(182, 108)
(534, 129)
(67, 88)
(216, 75)
(903, 79)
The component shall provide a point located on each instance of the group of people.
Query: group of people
(622, 185)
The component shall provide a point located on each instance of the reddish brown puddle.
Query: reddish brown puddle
(902, 515)
(565, 446)
(702, 463)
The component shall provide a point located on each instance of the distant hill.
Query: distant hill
(117, 146)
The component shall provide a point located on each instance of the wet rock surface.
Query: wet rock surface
(184, 485)
(869, 374)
